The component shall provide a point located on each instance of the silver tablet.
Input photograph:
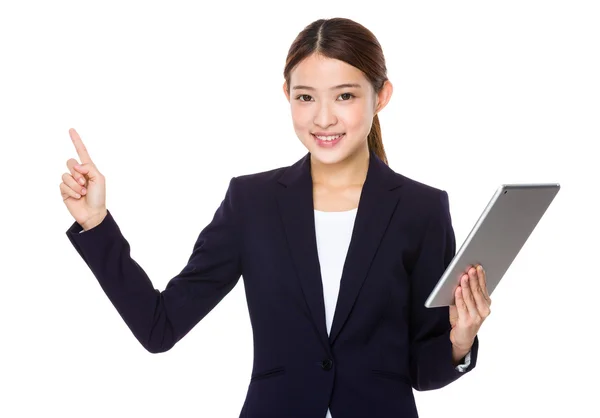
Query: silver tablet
(497, 237)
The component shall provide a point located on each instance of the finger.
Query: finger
(483, 284)
(88, 169)
(477, 292)
(67, 192)
(468, 297)
(461, 307)
(80, 178)
(81, 149)
(70, 181)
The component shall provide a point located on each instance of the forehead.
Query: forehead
(323, 73)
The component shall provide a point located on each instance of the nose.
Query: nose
(325, 116)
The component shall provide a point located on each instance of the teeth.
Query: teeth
(328, 138)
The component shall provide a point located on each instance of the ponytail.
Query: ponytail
(375, 140)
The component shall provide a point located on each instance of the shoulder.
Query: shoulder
(424, 203)
(256, 186)
(425, 197)
(261, 178)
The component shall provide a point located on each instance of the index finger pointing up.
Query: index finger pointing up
(81, 150)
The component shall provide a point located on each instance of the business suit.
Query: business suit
(383, 341)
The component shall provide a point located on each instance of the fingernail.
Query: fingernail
(83, 190)
(81, 181)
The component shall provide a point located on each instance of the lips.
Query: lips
(328, 144)
(328, 133)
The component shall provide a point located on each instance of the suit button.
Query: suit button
(327, 364)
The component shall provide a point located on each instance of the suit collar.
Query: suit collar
(378, 200)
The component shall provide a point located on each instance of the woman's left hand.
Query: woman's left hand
(471, 308)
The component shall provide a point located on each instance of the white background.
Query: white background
(173, 99)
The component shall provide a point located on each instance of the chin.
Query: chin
(328, 156)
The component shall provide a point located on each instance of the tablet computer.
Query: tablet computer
(497, 237)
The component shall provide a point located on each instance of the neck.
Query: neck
(349, 172)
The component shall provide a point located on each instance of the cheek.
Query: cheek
(301, 118)
(354, 119)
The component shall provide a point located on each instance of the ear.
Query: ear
(287, 96)
(384, 96)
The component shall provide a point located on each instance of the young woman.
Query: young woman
(338, 253)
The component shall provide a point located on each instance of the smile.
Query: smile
(328, 141)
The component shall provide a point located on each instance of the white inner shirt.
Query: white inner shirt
(333, 232)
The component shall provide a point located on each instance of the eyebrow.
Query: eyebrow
(341, 86)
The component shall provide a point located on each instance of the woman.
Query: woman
(338, 254)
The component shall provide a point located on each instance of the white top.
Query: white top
(333, 231)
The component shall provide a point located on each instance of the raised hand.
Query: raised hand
(83, 189)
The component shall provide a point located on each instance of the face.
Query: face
(333, 122)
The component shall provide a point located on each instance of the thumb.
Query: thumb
(89, 169)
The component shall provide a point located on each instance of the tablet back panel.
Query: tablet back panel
(497, 237)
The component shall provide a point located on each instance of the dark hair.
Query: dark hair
(345, 40)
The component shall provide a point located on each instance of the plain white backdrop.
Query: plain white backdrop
(172, 99)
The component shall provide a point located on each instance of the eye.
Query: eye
(343, 94)
(302, 95)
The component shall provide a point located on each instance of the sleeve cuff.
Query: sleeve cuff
(465, 364)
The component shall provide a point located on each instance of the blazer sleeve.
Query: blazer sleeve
(158, 319)
(431, 349)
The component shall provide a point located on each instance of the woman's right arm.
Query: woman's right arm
(157, 319)
(160, 319)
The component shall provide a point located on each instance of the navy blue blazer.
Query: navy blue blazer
(383, 341)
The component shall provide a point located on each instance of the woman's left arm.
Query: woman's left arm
(438, 343)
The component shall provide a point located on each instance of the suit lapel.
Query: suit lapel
(297, 214)
(376, 205)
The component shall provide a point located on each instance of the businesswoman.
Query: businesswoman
(337, 252)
